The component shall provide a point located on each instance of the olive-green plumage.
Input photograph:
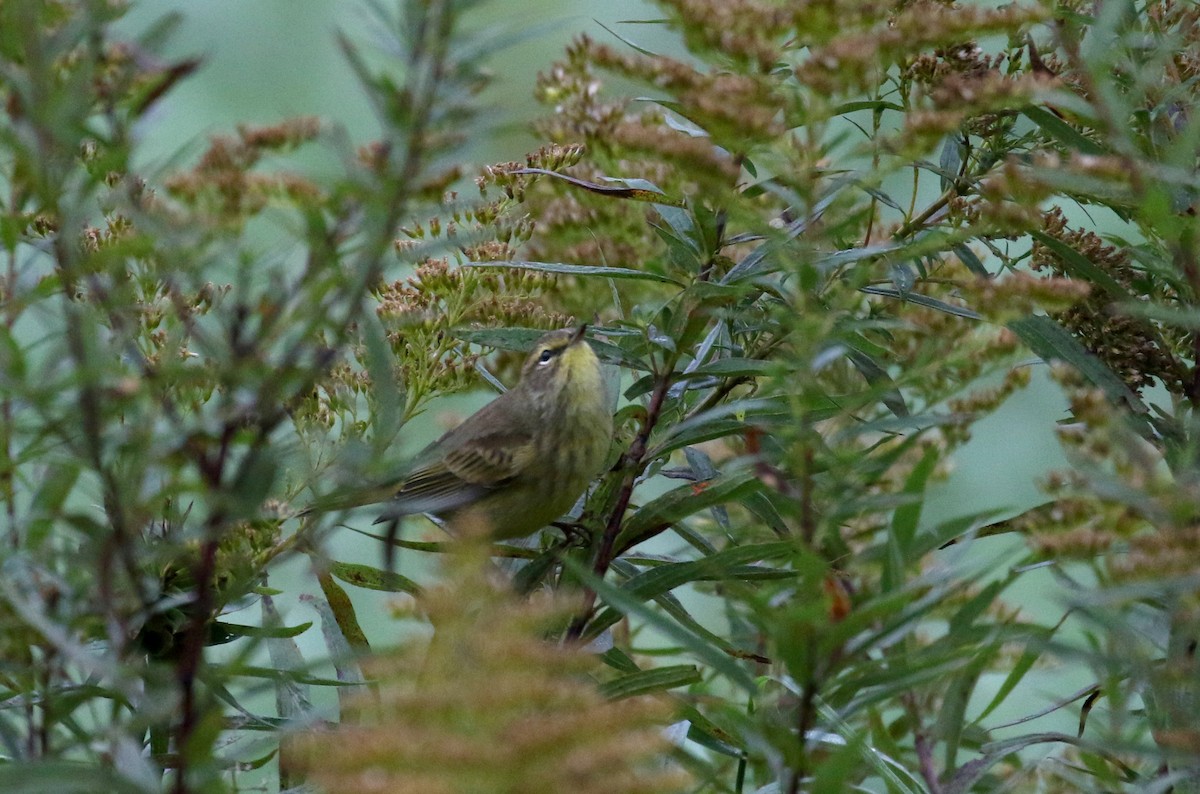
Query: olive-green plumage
(522, 460)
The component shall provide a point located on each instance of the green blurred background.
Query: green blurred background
(265, 60)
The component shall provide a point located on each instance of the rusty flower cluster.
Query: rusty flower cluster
(488, 705)
(223, 184)
(1136, 349)
(850, 60)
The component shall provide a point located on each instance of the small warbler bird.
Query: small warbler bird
(523, 459)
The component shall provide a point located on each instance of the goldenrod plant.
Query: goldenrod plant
(487, 704)
(822, 250)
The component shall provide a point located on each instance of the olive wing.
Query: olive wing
(462, 474)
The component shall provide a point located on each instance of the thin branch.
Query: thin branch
(806, 714)
(921, 744)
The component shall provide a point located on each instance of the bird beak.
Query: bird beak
(579, 332)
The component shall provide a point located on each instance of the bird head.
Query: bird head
(560, 359)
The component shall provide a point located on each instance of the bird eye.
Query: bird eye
(546, 355)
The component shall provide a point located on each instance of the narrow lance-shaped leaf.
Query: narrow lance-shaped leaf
(956, 694)
(385, 383)
(1051, 341)
(763, 259)
(341, 609)
(878, 377)
(968, 258)
(674, 610)
(341, 652)
(923, 300)
(905, 520)
(968, 774)
(714, 567)
(1081, 267)
(646, 682)
(702, 467)
(706, 652)
(1062, 131)
(641, 190)
(619, 660)
(292, 699)
(371, 578)
(262, 632)
(684, 501)
(584, 271)
(950, 161)
(1025, 663)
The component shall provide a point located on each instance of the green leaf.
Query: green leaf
(950, 160)
(442, 547)
(956, 694)
(734, 417)
(1032, 654)
(852, 255)
(702, 467)
(1052, 342)
(764, 509)
(866, 104)
(57, 482)
(970, 773)
(968, 258)
(700, 432)
(672, 608)
(714, 567)
(907, 516)
(343, 636)
(579, 270)
(261, 632)
(639, 190)
(292, 699)
(341, 609)
(684, 242)
(627, 42)
(877, 376)
(385, 382)
(682, 502)
(708, 223)
(533, 573)
(682, 225)
(1061, 131)
(12, 357)
(656, 584)
(1079, 266)
(273, 674)
(923, 300)
(619, 660)
(1188, 319)
(881, 197)
(370, 578)
(645, 682)
(752, 264)
(709, 735)
(712, 655)
(762, 259)
(898, 778)
(735, 367)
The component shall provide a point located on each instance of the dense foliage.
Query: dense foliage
(830, 239)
